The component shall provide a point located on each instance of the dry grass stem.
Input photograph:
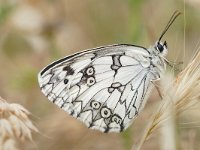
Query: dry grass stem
(15, 125)
(181, 95)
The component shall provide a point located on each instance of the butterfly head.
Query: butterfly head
(161, 47)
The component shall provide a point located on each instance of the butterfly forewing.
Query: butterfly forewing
(104, 87)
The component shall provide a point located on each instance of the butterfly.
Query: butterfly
(105, 87)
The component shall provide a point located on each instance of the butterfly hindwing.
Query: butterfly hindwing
(104, 87)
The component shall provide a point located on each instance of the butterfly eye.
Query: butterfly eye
(95, 105)
(90, 81)
(105, 112)
(90, 71)
(160, 47)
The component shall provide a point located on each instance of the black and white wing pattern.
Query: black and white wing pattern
(105, 87)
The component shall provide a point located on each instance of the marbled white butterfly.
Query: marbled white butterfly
(105, 87)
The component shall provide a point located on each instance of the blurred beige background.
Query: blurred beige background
(33, 33)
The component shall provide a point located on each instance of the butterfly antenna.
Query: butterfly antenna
(172, 19)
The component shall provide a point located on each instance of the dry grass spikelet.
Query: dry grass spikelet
(15, 125)
(180, 95)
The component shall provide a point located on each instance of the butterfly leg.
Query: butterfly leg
(157, 88)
